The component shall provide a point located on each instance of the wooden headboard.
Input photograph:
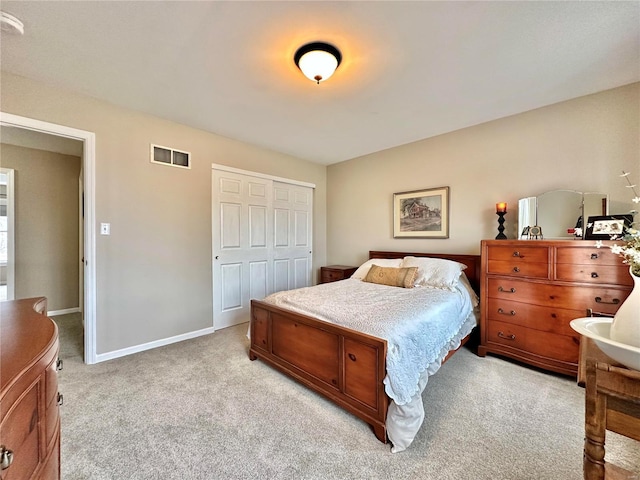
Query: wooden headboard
(471, 261)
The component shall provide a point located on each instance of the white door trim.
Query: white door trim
(11, 233)
(225, 168)
(88, 160)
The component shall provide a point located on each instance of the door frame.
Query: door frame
(88, 167)
(11, 233)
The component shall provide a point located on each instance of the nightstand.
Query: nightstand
(333, 273)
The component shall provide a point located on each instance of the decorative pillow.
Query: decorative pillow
(435, 272)
(394, 277)
(363, 269)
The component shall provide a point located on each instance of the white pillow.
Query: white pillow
(435, 272)
(363, 269)
(475, 301)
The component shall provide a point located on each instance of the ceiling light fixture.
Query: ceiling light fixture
(11, 24)
(317, 60)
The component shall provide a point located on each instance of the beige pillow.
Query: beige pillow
(394, 277)
(362, 271)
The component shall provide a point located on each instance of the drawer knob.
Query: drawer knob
(594, 274)
(510, 313)
(507, 337)
(352, 357)
(516, 269)
(615, 301)
(511, 290)
(6, 457)
(518, 254)
(594, 256)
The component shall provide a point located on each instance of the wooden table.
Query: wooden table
(612, 402)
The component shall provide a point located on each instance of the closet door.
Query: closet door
(261, 240)
(242, 230)
(292, 240)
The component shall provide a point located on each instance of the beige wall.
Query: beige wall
(46, 220)
(154, 270)
(581, 144)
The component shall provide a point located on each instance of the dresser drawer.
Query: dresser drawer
(51, 382)
(507, 334)
(558, 347)
(333, 273)
(518, 269)
(19, 432)
(520, 254)
(588, 256)
(615, 274)
(547, 319)
(52, 420)
(600, 299)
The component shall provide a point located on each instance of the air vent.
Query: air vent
(170, 156)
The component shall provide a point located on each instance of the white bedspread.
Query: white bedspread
(419, 324)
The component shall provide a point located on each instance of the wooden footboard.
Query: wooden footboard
(344, 365)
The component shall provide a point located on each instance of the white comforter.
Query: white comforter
(419, 324)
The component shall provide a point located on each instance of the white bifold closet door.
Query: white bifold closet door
(261, 241)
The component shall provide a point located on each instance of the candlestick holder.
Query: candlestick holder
(501, 236)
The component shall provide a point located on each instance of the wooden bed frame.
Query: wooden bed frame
(344, 365)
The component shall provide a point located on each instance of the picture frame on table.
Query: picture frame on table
(421, 213)
(604, 227)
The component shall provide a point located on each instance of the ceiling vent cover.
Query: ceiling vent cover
(170, 156)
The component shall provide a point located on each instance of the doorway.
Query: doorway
(88, 284)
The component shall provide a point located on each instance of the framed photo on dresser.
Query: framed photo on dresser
(605, 227)
(421, 213)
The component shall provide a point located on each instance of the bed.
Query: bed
(341, 359)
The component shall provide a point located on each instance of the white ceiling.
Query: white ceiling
(410, 70)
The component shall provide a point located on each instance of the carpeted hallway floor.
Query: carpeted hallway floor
(200, 409)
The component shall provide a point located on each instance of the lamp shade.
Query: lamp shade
(317, 61)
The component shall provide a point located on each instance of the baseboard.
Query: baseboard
(102, 357)
(53, 313)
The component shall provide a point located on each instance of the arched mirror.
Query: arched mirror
(557, 212)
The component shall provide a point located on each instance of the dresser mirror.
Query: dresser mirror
(558, 211)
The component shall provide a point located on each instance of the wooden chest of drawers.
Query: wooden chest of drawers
(29, 411)
(333, 273)
(532, 289)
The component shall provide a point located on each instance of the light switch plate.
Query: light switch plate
(105, 229)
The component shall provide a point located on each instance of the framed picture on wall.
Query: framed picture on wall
(605, 227)
(421, 213)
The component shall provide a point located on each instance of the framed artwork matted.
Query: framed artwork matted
(421, 213)
(605, 227)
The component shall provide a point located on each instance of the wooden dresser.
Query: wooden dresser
(333, 273)
(29, 398)
(531, 290)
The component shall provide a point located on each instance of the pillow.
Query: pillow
(475, 301)
(435, 272)
(394, 277)
(363, 269)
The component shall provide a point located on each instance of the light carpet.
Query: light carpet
(200, 409)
